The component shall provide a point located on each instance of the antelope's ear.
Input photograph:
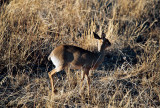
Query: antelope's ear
(96, 36)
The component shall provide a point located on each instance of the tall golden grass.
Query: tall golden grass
(128, 77)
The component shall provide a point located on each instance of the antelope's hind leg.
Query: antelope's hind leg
(51, 75)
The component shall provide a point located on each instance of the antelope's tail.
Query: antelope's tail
(49, 58)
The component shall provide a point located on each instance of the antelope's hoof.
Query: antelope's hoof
(55, 91)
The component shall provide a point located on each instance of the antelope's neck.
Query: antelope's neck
(98, 60)
(102, 48)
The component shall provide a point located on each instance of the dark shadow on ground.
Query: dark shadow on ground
(116, 58)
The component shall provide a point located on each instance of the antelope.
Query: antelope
(76, 58)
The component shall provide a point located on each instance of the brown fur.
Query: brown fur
(76, 58)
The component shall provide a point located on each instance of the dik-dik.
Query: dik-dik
(77, 58)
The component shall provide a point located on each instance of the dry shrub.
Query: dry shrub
(129, 76)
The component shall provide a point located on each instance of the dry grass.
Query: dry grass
(128, 77)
